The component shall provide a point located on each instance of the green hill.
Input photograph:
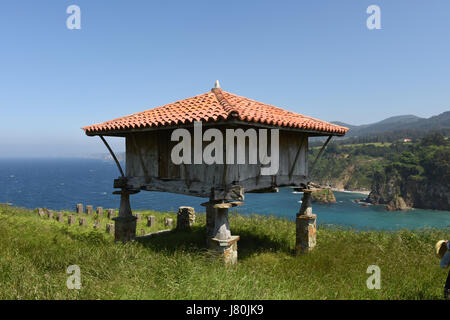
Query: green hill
(404, 124)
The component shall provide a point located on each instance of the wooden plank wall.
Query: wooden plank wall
(148, 165)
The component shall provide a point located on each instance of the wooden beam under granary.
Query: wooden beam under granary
(150, 166)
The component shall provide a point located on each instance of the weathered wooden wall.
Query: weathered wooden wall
(149, 166)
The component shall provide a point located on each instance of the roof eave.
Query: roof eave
(230, 121)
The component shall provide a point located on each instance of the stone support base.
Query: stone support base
(210, 219)
(125, 228)
(185, 218)
(225, 250)
(306, 228)
(151, 221)
(125, 223)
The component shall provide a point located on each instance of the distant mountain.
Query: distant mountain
(397, 123)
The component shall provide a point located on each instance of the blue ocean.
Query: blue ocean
(61, 183)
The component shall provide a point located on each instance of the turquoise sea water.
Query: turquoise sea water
(61, 183)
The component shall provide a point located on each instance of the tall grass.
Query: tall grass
(35, 253)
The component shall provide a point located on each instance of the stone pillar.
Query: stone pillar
(151, 221)
(306, 207)
(168, 222)
(306, 225)
(185, 218)
(97, 224)
(125, 223)
(138, 217)
(89, 210)
(109, 228)
(71, 219)
(225, 249)
(210, 219)
(222, 242)
(83, 222)
(50, 214)
(100, 211)
(222, 226)
(110, 213)
(79, 209)
(306, 228)
(41, 212)
(59, 217)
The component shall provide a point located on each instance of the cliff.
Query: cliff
(397, 194)
(400, 175)
(417, 179)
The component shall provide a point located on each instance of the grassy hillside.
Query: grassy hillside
(35, 253)
(350, 167)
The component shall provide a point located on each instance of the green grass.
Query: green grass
(35, 253)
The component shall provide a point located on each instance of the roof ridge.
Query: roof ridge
(229, 108)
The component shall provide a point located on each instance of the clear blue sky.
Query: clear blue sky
(313, 57)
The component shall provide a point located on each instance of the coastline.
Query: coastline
(352, 191)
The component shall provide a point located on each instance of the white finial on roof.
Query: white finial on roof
(217, 85)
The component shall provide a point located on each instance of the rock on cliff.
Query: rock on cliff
(323, 196)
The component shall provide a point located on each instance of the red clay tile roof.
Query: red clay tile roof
(215, 105)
